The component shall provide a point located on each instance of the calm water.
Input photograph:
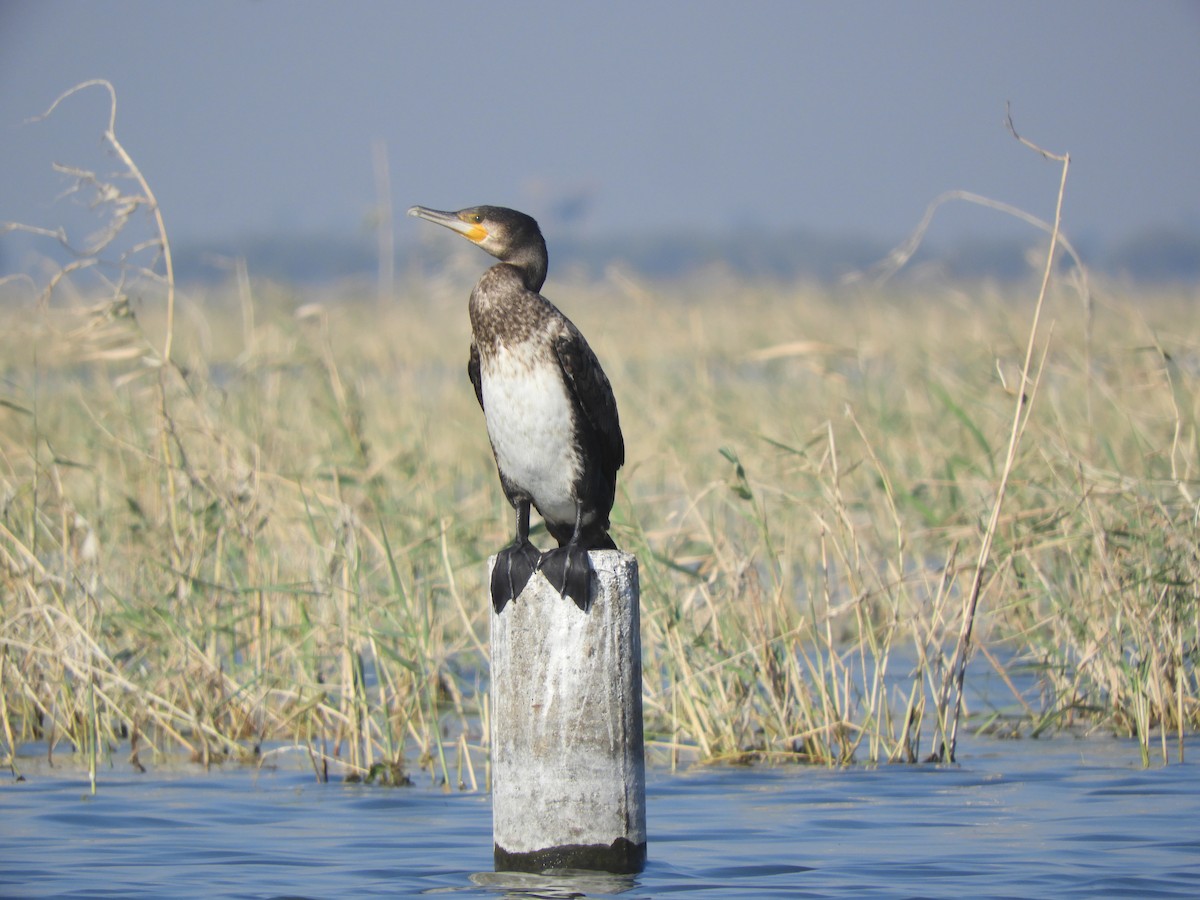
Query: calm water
(1061, 818)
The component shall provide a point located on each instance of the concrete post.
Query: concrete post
(568, 767)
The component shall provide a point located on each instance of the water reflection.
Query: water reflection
(555, 886)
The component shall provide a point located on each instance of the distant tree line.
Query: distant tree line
(1153, 256)
(1163, 255)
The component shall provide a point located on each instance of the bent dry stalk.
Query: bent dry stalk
(1025, 393)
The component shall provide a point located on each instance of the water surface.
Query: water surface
(1061, 818)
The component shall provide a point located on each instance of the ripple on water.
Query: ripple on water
(1018, 819)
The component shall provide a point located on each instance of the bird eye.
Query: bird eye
(477, 219)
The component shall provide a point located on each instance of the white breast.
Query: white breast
(530, 425)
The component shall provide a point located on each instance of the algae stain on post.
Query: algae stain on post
(568, 764)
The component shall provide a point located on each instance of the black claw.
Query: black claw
(569, 571)
(515, 565)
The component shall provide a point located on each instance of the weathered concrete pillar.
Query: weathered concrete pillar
(568, 767)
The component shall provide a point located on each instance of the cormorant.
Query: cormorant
(550, 412)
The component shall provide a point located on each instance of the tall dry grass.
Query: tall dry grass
(252, 520)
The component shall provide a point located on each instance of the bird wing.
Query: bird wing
(473, 373)
(591, 390)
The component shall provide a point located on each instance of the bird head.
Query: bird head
(504, 233)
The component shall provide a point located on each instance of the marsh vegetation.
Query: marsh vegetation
(237, 520)
(282, 535)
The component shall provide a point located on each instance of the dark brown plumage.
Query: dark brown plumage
(550, 411)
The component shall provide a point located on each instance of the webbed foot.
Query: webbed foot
(569, 571)
(515, 565)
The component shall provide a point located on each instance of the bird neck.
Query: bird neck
(531, 261)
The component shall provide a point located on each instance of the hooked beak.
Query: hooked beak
(472, 231)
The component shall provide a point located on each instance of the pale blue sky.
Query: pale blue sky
(259, 115)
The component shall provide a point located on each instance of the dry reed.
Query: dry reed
(248, 521)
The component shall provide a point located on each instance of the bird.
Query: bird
(549, 408)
